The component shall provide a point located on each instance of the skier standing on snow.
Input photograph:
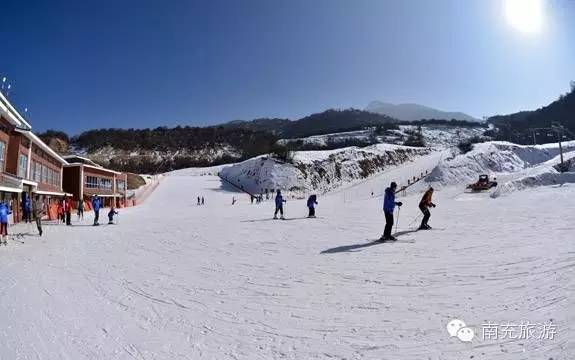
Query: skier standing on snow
(4, 212)
(68, 210)
(96, 204)
(279, 205)
(389, 204)
(424, 206)
(202, 200)
(80, 209)
(311, 202)
(38, 209)
(198, 200)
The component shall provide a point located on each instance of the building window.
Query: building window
(120, 185)
(2, 155)
(22, 166)
(44, 174)
(91, 182)
(105, 184)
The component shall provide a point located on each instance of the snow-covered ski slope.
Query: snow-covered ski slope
(178, 281)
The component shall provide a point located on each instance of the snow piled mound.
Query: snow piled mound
(494, 158)
(545, 174)
(317, 171)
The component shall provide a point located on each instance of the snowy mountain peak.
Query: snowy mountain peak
(412, 112)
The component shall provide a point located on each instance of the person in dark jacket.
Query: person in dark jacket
(81, 209)
(389, 204)
(96, 204)
(111, 214)
(424, 206)
(26, 208)
(279, 205)
(311, 202)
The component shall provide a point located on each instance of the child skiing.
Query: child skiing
(4, 212)
(311, 202)
(111, 214)
(279, 205)
(424, 206)
(389, 204)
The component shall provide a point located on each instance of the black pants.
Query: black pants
(311, 212)
(388, 224)
(39, 223)
(68, 218)
(96, 216)
(280, 209)
(426, 214)
(26, 216)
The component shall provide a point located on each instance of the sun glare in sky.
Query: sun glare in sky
(525, 15)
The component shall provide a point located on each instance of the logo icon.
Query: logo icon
(457, 328)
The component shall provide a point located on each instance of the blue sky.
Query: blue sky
(143, 63)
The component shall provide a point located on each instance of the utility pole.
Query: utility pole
(534, 138)
(559, 131)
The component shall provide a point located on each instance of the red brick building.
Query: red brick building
(28, 166)
(83, 178)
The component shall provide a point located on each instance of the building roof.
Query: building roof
(77, 159)
(41, 144)
(12, 114)
(101, 168)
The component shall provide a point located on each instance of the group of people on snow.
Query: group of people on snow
(201, 200)
(34, 209)
(389, 205)
(279, 201)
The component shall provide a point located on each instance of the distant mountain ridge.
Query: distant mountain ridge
(412, 112)
(516, 127)
(325, 122)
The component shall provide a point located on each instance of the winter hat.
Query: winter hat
(393, 184)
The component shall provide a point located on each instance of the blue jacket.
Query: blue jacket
(96, 204)
(389, 201)
(4, 212)
(27, 204)
(279, 200)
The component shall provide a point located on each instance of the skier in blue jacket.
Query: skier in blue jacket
(4, 212)
(279, 205)
(389, 204)
(96, 204)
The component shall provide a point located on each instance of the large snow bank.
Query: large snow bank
(493, 158)
(318, 171)
(544, 174)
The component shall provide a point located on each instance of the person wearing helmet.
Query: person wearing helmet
(424, 206)
(389, 204)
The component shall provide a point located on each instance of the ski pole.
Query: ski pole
(397, 222)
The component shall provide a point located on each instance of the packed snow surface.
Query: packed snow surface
(174, 280)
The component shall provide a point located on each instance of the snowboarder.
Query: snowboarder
(111, 214)
(96, 204)
(424, 206)
(4, 212)
(389, 204)
(311, 202)
(202, 200)
(198, 200)
(233, 200)
(279, 205)
(38, 209)
(80, 209)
